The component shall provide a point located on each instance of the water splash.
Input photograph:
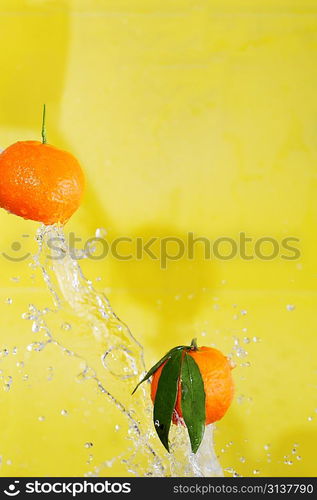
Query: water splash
(117, 364)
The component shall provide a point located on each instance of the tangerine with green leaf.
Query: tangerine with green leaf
(191, 386)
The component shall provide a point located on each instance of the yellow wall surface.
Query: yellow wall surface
(187, 116)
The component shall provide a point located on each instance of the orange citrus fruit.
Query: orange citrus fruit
(190, 386)
(215, 370)
(40, 182)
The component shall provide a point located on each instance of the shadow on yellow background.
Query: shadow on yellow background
(187, 116)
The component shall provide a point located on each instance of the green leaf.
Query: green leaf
(158, 364)
(193, 401)
(166, 395)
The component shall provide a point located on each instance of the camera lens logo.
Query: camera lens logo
(16, 255)
(13, 491)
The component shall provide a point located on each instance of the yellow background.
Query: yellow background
(187, 115)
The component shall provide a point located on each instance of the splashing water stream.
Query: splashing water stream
(116, 366)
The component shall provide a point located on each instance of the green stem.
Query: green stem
(193, 345)
(43, 125)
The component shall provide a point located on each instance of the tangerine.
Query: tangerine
(215, 370)
(40, 182)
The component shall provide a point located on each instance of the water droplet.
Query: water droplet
(41, 418)
(8, 383)
(101, 232)
(90, 247)
(266, 447)
(117, 427)
(230, 470)
(290, 307)
(244, 312)
(68, 352)
(88, 444)
(50, 373)
(256, 339)
(288, 462)
(66, 326)
(232, 363)
(309, 419)
(242, 459)
(8, 301)
(246, 340)
(35, 327)
(36, 346)
(64, 413)
(256, 471)
(28, 316)
(241, 353)
(298, 457)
